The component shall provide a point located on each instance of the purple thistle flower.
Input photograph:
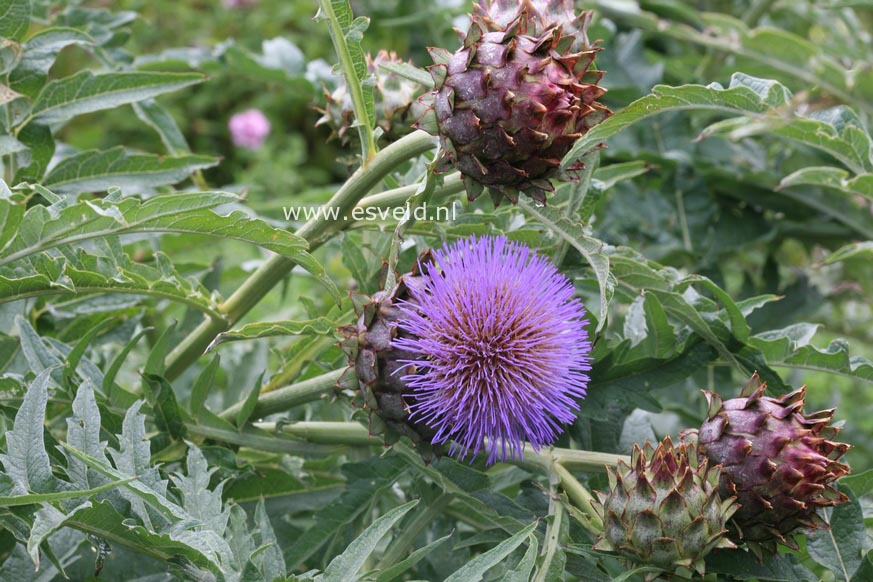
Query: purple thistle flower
(249, 129)
(500, 345)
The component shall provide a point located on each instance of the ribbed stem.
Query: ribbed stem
(290, 396)
(315, 231)
(325, 433)
(579, 495)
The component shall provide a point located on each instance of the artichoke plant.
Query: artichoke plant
(510, 103)
(779, 462)
(664, 510)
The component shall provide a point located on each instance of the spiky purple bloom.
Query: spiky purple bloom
(249, 129)
(500, 348)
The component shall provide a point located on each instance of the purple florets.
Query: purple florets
(501, 348)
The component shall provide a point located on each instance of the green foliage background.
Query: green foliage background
(726, 229)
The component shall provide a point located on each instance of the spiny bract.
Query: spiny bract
(664, 509)
(779, 462)
(374, 362)
(510, 103)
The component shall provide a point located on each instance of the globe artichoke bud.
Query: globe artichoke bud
(394, 97)
(510, 103)
(780, 463)
(664, 510)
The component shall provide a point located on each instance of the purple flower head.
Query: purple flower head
(500, 348)
(249, 129)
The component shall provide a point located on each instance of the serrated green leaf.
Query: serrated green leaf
(25, 460)
(168, 415)
(319, 326)
(154, 499)
(367, 482)
(11, 214)
(175, 213)
(272, 562)
(396, 570)
(587, 246)
(834, 178)
(346, 33)
(860, 483)
(659, 331)
(834, 132)
(83, 433)
(41, 147)
(475, 569)
(134, 458)
(522, 570)
(103, 521)
(159, 119)
(345, 567)
(14, 18)
(98, 171)
(39, 357)
(840, 547)
(790, 347)
(85, 92)
(40, 52)
(98, 274)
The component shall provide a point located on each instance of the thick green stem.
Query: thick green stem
(315, 231)
(579, 495)
(452, 184)
(325, 433)
(588, 461)
(284, 398)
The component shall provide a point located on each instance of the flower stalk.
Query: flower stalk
(290, 396)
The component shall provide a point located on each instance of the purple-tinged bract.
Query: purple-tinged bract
(510, 103)
(499, 349)
(781, 464)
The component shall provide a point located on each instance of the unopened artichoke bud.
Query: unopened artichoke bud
(664, 510)
(779, 462)
(512, 101)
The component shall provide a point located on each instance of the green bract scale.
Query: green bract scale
(664, 510)
(780, 463)
(510, 103)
